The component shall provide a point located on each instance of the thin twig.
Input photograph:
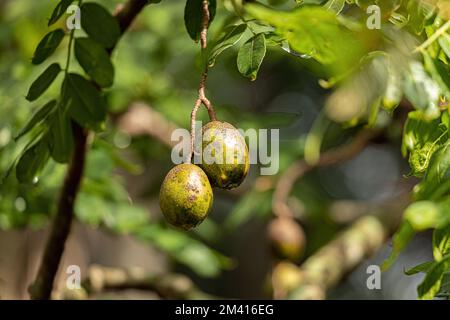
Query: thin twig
(42, 287)
(439, 32)
(299, 168)
(202, 85)
(205, 23)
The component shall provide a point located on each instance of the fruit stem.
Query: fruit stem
(203, 45)
(202, 97)
(201, 88)
(197, 105)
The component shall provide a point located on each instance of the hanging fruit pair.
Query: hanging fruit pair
(186, 196)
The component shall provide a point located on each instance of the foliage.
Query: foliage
(385, 73)
(371, 72)
(46, 139)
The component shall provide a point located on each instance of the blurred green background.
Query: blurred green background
(157, 66)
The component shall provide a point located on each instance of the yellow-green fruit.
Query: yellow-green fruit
(286, 276)
(225, 155)
(186, 196)
(287, 238)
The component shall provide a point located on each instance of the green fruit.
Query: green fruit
(287, 238)
(186, 196)
(286, 276)
(224, 155)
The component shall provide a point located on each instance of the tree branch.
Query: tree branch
(42, 287)
(366, 235)
(324, 269)
(168, 286)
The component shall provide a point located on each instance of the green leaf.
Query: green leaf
(441, 242)
(42, 83)
(394, 93)
(425, 214)
(274, 40)
(335, 6)
(32, 161)
(439, 72)
(37, 118)
(436, 181)
(99, 24)
(83, 101)
(190, 252)
(257, 27)
(251, 55)
(419, 158)
(386, 6)
(373, 112)
(61, 138)
(432, 282)
(328, 41)
(399, 241)
(421, 90)
(444, 291)
(423, 267)
(95, 61)
(193, 14)
(232, 36)
(445, 120)
(418, 12)
(59, 10)
(418, 131)
(47, 45)
(444, 42)
(421, 138)
(419, 216)
(398, 19)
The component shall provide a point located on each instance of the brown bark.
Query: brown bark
(42, 287)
